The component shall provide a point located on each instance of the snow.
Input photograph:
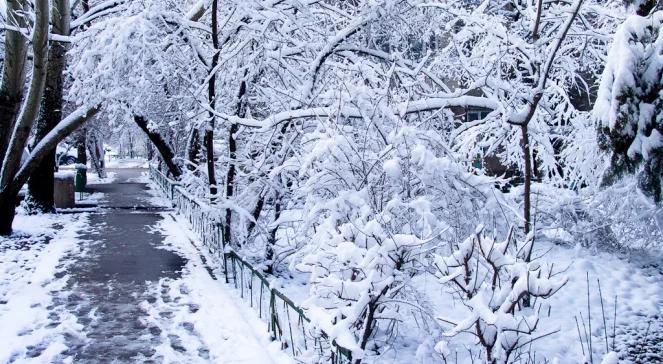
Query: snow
(31, 266)
(126, 163)
(356, 176)
(632, 71)
(392, 168)
(93, 177)
(610, 358)
(639, 293)
(229, 329)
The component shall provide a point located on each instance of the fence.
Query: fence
(286, 321)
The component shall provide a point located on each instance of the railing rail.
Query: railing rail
(285, 320)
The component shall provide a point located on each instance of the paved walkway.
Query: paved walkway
(138, 300)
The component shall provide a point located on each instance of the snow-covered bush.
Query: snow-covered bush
(491, 278)
(615, 217)
(378, 196)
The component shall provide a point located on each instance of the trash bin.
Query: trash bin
(63, 190)
(81, 177)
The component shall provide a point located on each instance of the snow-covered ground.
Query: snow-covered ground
(636, 282)
(126, 163)
(637, 288)
(633, 281)
(93, 178)
(61, 302)
(222, 323)
(196, 317)
(32, 266)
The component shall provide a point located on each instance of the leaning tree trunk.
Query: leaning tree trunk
(13, 74)
(9, 192)
(166, 152)
(40, 184)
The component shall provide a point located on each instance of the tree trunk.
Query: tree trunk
(232, 156)
(7, 212)
(13, 74)
(149, 148)
(162, 146)
(193, 149)
(30, 109)
(257, 210)
(40, 184)
(96, 155)
(211, 94)
(271, 241)
(81, 144)
(21, 131)
(527, 204)
(8, 194)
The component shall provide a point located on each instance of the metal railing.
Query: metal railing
(285, 320)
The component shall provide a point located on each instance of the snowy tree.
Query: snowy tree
(629, 105)
(523, 59)
(147, 44)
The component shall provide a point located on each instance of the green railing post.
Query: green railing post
(272, 313)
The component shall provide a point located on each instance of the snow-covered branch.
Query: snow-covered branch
(70, 123)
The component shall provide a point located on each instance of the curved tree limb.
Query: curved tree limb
(51, 140)
(32, 103)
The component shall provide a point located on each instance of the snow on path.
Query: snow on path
(119, 285)
(231, 332)
(32, 269)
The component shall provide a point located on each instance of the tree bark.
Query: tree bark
(40, 184)
(81, 144)
(7, 211)
(162, 146)
(257, 210)
(211, 94)
(32, 103)
(527, 198)
(13, 74)
(271, 241)
(10, 191)
(232, 156)
(193, 149)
